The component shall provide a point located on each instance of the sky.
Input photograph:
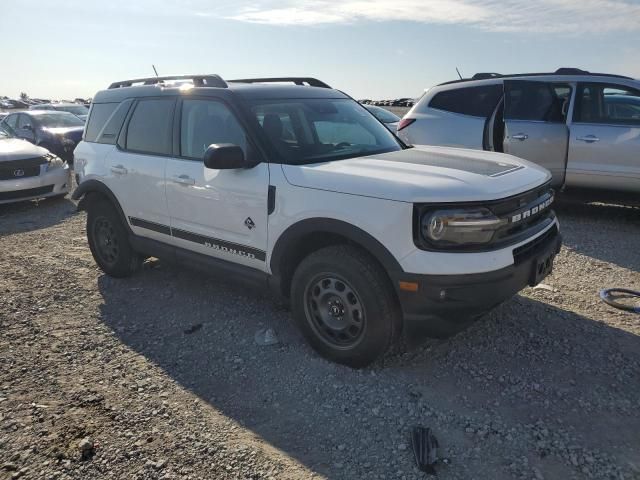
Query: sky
(367, 48)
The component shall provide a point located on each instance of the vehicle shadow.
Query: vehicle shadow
(614, 229)
(200, 331)
(33, 215)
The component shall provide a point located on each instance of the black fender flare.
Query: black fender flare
(96, 186)
(294, 234)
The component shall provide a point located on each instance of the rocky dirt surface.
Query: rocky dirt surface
(159, 375)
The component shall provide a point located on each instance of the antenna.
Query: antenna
(456, 71)
(154, 69)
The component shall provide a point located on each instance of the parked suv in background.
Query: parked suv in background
(584, 127)
(300, 188)
(58, 132)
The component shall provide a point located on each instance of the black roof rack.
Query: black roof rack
(209, 80)
(559, 71)
(312, 82)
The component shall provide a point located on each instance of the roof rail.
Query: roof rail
(484, 76)
(209, 80)
(312, 82)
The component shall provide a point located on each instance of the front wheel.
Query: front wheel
(109, 241)
(344, 305)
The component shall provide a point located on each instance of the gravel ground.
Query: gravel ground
(159, 375)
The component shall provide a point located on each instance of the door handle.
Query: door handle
(184, 179)
(119, 170)
(588, 139)
(520, 136)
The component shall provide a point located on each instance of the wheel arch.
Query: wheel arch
(307, 236)
(93, 190)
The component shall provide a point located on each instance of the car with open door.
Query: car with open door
(583, 127)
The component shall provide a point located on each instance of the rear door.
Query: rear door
(604, 150)
(220, 213)
(535, 124)
(135, 169)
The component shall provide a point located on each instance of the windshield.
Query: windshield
(75, 109)
(60, 119)
(385, 116)
(320, 130)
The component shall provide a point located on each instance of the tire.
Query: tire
(343, 303)
(109, 241)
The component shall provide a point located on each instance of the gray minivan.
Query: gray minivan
(583, 127)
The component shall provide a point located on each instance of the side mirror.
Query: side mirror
(224, 156)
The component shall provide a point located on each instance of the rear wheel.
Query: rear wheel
(343, 303)
(109, 241)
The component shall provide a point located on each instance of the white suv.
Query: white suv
(583, 127)
(300, 188)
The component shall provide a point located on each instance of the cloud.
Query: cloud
(536, 16)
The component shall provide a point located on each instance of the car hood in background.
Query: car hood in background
(16, 149)
(423, 174)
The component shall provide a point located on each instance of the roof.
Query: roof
(254, 89)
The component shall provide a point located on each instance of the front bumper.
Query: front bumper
(445, 304)
(48, 184)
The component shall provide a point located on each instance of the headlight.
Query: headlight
(443, 228)
(54, 162)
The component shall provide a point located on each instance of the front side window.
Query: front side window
(607, 104)
(24, 121)
(316, 130)
(206, 122)
(150, 127)
(474, 101)
(536, 101)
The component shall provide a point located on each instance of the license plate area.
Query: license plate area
(542, 267)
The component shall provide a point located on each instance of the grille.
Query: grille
(29, 167)
(30, 192)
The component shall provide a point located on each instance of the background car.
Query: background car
(29, 172)
(78, 110)
(58, 132)
(389, 119)
(583, 127)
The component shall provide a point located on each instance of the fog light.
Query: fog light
(443, 294)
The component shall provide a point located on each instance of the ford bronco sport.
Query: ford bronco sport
(298, 187)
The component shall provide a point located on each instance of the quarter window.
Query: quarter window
(607, 104)
(100, 112)
(205, 122)
(150, 127)
(474, 101)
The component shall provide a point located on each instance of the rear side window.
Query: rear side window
(474, 101)
(607, 104)
(100, 113)
(535, 101)
(150, 127)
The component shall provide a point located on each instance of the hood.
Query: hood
(16, 149)
(423, 174)
(74, 133)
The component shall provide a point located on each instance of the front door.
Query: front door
(604, 149)
(535, 124)
(135, 170)
(221, 213)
